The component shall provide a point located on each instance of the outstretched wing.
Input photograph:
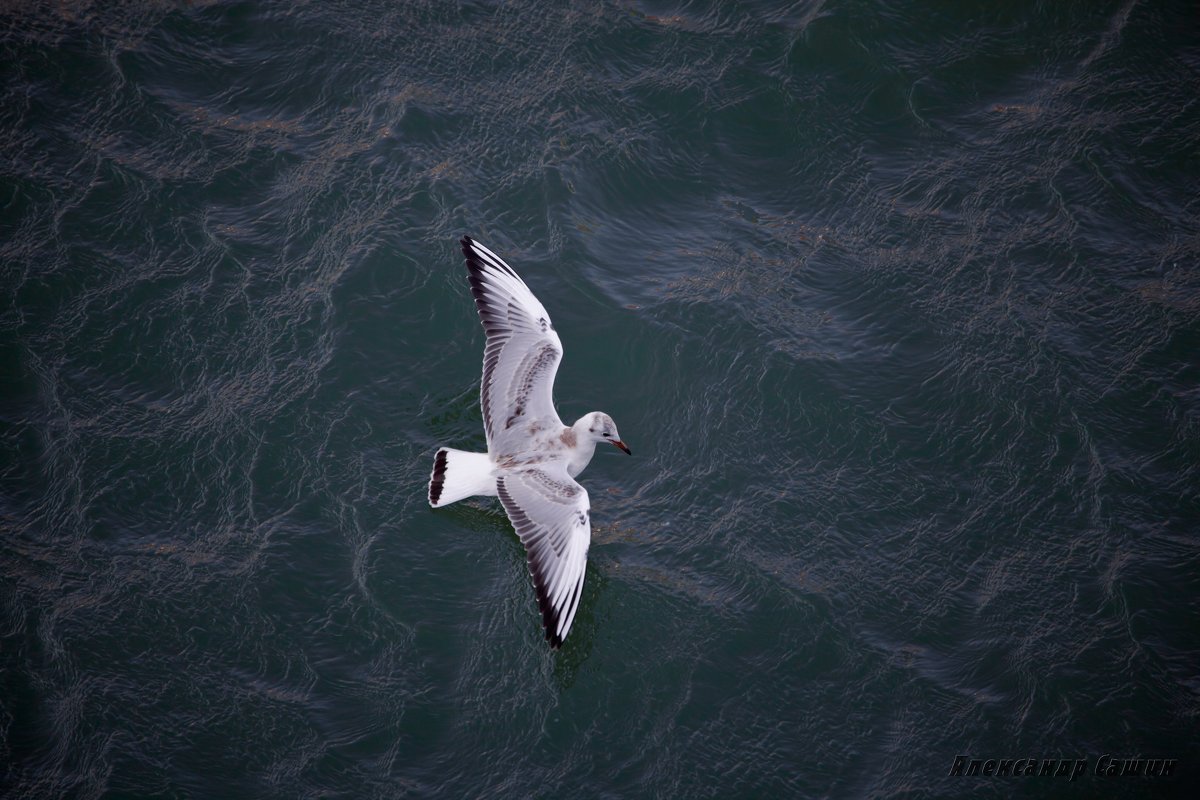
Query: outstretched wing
(523, 351)
(550, 512)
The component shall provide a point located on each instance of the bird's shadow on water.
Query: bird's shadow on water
(488, 516)
(577, 648)
(478, 515)
(458, 421)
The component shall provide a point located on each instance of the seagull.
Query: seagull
(532, 458)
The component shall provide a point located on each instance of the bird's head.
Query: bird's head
(600, 427)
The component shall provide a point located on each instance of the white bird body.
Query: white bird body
(470, 474)
(532, 457)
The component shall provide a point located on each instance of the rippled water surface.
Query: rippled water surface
(896, 303)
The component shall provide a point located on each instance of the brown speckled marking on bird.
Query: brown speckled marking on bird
(568, 437)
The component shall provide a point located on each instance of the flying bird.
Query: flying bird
(532, 457)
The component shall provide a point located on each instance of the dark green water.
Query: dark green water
(896, 303)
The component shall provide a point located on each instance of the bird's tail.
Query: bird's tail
(458, 474)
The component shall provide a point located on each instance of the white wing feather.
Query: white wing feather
(549, 511)
(522, 354)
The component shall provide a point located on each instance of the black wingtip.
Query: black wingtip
(472, 256)
(546, 608)
(439, 477)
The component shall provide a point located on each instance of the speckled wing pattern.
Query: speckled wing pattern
(550, 513)
(522, 353)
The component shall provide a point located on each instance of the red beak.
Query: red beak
(620, 444)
